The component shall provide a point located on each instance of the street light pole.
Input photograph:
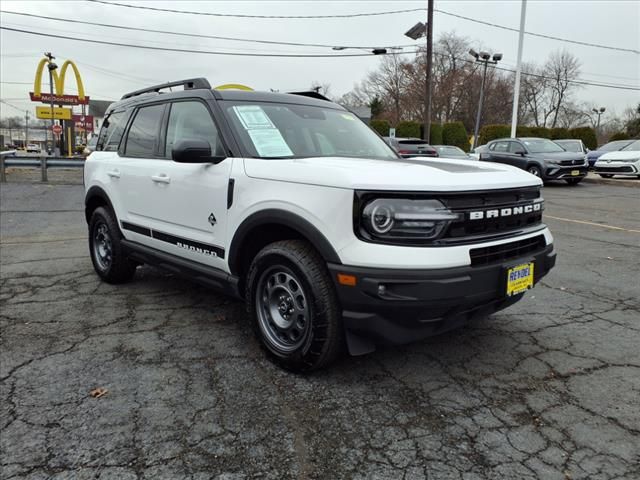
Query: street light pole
(484, 58)
(26, 128)
(516, 87)
(427, 105)
(51, 67)
(598, 112)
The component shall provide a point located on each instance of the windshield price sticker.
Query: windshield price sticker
(253, 117)
(269, 143)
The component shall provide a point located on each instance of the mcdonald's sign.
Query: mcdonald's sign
(58, 97)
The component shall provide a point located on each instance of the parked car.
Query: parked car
(576, 146)
(411, 147)
(449, 151)
(475, 153)
(614, 146)
(625, 162)
(90, 146)
(539, 156)
(296, 206)
(32, 148)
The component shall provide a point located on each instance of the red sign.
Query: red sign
(83, 122)
(57, 129)
(59, 99)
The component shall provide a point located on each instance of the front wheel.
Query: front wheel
(293, 306)
(534, 170)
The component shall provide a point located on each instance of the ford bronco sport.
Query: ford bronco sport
(293, 204)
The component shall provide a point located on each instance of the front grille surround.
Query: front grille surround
(464, 230)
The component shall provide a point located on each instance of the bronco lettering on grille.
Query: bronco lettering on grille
(505, 212)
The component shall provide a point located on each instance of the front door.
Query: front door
(184, 205)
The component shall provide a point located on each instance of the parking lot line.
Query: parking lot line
(592, 223)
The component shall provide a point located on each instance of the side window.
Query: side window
(111, 132)
(143, 133)
(501, 147)
(192, 121)
(515, 147)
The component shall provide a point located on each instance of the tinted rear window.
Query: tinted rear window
(111, 132)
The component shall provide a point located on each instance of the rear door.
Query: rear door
(183, 205)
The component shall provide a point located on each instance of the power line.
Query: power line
(195, 35)
(495, 25)
(238, 15)
(12, 106)
(541, 35)
(205, 52)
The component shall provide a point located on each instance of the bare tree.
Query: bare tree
(561, 70)
(390, 82)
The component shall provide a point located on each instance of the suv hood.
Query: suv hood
(621, 155)
(415, 174)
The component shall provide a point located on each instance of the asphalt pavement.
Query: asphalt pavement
(547, 389)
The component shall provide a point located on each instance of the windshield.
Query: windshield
(570, 145)
(614, 146)
(633, 147)
(450, 151)
(282, 130)
(541, 145)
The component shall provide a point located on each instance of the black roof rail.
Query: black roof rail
(311, 94)
(191, 83)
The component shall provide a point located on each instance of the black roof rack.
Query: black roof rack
(310, 94)
(191, 83)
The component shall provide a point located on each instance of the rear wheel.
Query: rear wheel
(605, 175)
(107, 256)
(534, 170)
(293, 306)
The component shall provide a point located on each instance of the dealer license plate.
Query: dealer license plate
(519, 279)
(575, 173)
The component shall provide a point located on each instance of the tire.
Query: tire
(534, 170)
(105, 249)
(605, 175)
(293, 306)
(573, 181)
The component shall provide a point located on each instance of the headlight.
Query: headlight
(397, 219)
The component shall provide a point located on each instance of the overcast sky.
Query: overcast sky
(110, 71)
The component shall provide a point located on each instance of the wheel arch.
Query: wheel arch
(267, 226)
(94, 198)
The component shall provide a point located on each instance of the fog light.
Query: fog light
(382, 290)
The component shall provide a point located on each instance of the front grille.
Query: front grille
(606, 169)
(506, 251)
(572, 162)
(466, 203)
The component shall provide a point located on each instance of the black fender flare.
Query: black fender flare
(92, 193)
(280, 217)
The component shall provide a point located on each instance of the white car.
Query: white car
(296, 206)
(625, 162)
(32, 148)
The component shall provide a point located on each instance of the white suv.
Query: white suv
(295, 205)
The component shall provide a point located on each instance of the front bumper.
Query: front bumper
(562, 172)
(419, 303)
(618, 168)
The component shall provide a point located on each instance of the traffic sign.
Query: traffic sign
(59, 113)
(83, 122)
(57, 129)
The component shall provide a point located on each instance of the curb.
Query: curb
(593, 178)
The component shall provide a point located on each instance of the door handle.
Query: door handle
(162, 178)
(114, 173)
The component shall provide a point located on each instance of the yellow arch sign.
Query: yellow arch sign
(58, 80)
(234, 86)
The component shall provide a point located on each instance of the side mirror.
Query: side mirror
(520, 152)
(193, 151)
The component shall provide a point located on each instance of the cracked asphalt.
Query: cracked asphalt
(548, 389)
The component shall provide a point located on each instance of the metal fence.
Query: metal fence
(41, 162)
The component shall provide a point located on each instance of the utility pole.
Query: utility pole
(51, 67)
(26, 128)
(516, 87)
(427, 106)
